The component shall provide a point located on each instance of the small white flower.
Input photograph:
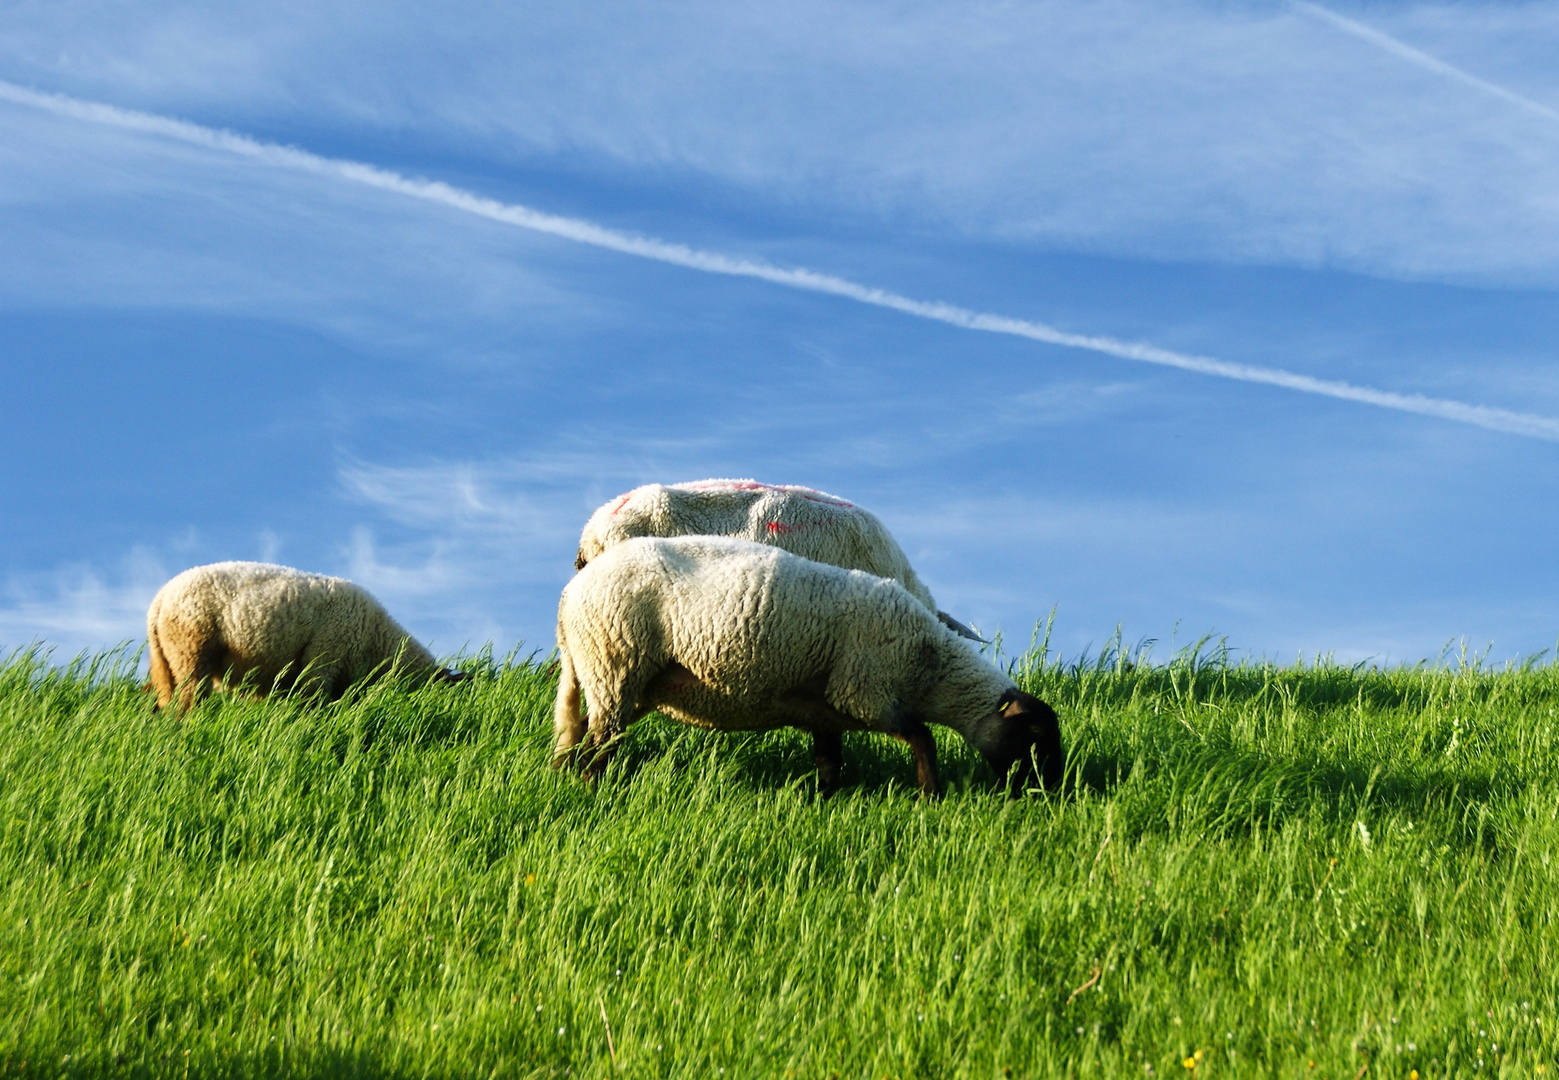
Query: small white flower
(561, 1030)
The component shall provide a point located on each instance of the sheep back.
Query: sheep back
(800, 520)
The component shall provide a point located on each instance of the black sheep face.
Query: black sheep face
(1028, 746)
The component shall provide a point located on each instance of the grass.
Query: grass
(1302, 871)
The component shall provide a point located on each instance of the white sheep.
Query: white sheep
(801, 520)
(213, 626)
(732, 635)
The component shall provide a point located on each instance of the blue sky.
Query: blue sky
(210, 355)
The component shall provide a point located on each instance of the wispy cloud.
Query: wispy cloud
(586, 232)
(77, 608)
(1422, 59)
(1179, 131)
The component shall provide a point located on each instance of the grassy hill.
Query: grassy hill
(1311, 871)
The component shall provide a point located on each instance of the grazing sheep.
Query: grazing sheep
(732, 635)
(212, 626)
(812, 524)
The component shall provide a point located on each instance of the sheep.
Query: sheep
(801, 520)
(732, 635)
(214, 626)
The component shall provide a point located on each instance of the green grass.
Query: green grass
(1255, 868)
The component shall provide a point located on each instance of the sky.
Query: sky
(1180, 318)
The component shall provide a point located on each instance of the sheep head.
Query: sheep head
(1024, 746)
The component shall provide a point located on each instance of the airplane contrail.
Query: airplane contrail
(1420, 58)
(586, 232)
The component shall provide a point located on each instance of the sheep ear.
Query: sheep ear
(1010, 701)
(959, 628)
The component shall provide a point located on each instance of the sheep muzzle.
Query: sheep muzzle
(1029, 749)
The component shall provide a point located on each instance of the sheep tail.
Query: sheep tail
(161, 674)
(568, 722)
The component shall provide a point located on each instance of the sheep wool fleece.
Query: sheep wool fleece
(728, 634)
(809, 523)
(237, 619)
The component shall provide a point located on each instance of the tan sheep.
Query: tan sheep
(801, 520)
(215, 626)
(732, 635)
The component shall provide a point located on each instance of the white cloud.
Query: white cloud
(704, 261)
(122, 220)
(76, 608)
(481, 548)
(1173, 130)
(469, 552)
(1419, 58)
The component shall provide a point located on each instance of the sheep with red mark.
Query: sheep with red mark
(214, 626)
(732, 635)
(801, 520)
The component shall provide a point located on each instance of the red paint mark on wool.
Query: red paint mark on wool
(779, 527)
(810, 494)
(622, 501)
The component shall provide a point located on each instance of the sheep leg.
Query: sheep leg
(162, 680)
(317, 676)
(206, 670)
(330, 686)
(568, 718)
(609, 719)
(828, 753)
(920, 741)
(600, 745)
